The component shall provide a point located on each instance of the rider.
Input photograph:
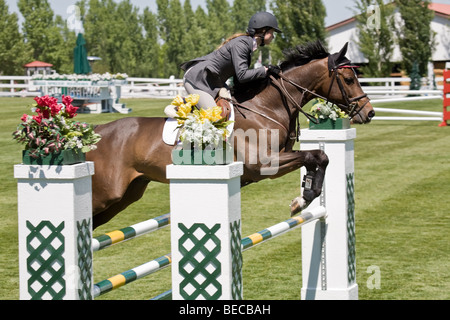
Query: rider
(207, 75)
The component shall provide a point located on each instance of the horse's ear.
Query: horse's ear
(343, 51)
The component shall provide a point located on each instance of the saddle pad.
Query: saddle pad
(170, 131)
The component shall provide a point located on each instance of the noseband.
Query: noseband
(350, 104)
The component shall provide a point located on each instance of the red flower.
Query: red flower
(39, 101)
(55, 109)
(44, 112)
(67, 100)
(38, 119)
(71, 111)
(24, 118)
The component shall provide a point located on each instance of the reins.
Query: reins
(351, 104)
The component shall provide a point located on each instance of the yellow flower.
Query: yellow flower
(178, 101)
(184, 110)
(216, 114)
(212, 114)
(193, 99)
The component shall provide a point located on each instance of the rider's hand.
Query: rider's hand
(274, 69)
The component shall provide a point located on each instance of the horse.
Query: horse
(132, 153)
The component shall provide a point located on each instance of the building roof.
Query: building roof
(439, 8)
(37, 64)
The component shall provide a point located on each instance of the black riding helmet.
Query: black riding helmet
(262, 20)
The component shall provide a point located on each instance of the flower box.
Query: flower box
(202, 157)
(64, 157)
(329, 124)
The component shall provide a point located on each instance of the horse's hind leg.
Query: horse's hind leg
(316, 162)
(134, 192)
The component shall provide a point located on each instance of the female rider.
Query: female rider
(207, 75)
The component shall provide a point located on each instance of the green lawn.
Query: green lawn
(402, 215)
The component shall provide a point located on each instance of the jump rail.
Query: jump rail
(114, 237)
(251, 241)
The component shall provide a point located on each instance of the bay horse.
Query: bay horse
(132, 153)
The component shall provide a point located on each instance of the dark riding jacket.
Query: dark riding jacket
(210, 73)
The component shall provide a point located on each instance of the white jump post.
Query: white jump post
(55, 231)
(205, 206)
(328, 246)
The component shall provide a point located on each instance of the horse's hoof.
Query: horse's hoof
(297, 205)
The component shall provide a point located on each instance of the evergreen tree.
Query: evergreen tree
(173, 27)
(64, 40)
(416, 78)
(415, 37)
(376, 39)
(220, 25)
(300, 20)
(14, 53)
(152, 62)
(243, 10)
(99, 27)
(128, 39)
(42, 33)
(194, 38)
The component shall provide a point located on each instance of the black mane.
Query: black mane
(294, 57)
(302, 54)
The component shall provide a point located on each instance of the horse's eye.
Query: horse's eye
(349, 81)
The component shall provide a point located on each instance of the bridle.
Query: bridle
(350, 104)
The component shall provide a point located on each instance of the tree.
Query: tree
(243, 10)
(415, 37)
(220, 25)
(152, 62)
(300, 20)
(172, 28)
(376, 36)
(14, 53)
(42, 33)
(128, 38)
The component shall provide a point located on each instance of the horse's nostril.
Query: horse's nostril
(371, 114)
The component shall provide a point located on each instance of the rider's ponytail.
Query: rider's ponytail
(234, 36)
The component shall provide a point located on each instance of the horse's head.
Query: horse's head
(343, 88)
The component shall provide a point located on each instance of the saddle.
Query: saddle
(170, 131)
(226, 107)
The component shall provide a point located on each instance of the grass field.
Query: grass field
(402, 215)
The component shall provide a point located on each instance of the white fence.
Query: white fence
(381, 88)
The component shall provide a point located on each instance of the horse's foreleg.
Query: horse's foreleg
(315, 161)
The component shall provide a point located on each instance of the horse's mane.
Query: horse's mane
(302, 54)
(294, 57)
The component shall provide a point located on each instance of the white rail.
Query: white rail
(169, 88)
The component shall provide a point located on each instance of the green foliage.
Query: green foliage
(44, 34)
(13, 51)
(376, 39)
(416, 39)
(300, 20)
(147, 44)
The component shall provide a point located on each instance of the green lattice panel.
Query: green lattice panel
(351, 228)
(84, 240)
(45, 263)
(236, 255)
(199, 266)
